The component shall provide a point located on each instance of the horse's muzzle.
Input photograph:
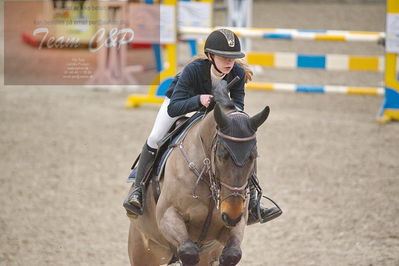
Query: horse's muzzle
(232, 209)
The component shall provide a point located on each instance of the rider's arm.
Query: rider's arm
(184, 99)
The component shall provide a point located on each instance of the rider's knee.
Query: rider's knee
(153, 140)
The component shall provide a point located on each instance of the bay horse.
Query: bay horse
(201, 212)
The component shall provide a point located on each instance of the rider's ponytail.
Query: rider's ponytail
(248, 72)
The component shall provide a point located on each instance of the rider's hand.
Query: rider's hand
(205, 99)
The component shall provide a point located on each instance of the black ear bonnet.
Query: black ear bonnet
(239, 127)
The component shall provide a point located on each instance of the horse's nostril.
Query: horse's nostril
(225, 218)
(230, 222)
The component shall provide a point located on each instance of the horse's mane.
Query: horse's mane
(221, 96)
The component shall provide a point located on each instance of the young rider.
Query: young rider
(190, 90)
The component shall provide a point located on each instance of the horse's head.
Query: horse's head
(234, 157)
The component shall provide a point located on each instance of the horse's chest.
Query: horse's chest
(197, 223)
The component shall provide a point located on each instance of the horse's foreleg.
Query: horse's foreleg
(174, 229)
(231, 253)
(232, 239)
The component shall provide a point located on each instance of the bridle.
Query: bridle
(209, 168)
(215, 184)
(236, 191)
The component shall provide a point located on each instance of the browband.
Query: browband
(234, 138)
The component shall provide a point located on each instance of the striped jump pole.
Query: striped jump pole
(293, 34)
(328, 89)
(322, 61)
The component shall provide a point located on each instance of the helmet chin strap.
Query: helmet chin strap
(214, 64)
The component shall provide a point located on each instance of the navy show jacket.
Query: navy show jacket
(195, 79)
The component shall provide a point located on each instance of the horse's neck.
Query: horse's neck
(204, 132)
(207, 129)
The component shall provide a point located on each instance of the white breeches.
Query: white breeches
(162, 124)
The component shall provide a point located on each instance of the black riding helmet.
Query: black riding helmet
(223, 42)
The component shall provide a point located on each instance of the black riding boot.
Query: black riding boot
(266, 214)
(134, 201)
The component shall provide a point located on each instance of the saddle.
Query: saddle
(177, 132)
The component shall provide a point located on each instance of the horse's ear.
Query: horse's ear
(221, 119)
(258, 119)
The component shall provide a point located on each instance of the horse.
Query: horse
(201, 212)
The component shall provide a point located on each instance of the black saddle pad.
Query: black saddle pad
(164, 150)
